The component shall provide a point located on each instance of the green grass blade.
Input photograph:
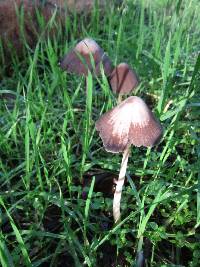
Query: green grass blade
(18, 236)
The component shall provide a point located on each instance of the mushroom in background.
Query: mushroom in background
(123, 80)
(131, 122)
(87, 55)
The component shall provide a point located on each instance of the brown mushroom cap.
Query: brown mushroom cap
(123, 79)
(131, 122)
(79, 61)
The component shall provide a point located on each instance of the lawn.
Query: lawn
(56, 178)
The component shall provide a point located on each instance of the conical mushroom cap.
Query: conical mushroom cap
(123, 79)
(131, 122)
(79, 61)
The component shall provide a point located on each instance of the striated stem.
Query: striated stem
(119, 185)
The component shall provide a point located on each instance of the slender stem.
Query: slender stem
(119, 185)
(119, 99)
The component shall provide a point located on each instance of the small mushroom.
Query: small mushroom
(123, 80)
(131, 122)
(87, 55)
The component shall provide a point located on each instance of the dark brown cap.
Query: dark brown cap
(131, 122)
(79, 60)
(123, 79)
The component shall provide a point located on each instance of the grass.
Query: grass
(49, 146)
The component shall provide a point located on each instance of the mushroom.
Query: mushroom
(87, 55)
(123, 80)
(131, 122)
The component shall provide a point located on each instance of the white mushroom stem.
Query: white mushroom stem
(119, 186)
